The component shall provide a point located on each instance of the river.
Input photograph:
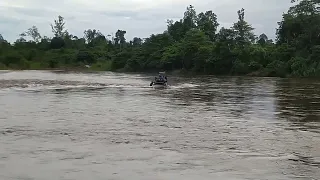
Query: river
(80, 126)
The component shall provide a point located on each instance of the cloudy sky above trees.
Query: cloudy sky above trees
(138, 17)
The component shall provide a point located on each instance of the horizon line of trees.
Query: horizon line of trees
(192, 44)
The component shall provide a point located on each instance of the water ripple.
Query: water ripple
(114, 126)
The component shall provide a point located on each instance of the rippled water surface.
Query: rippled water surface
(80, 126)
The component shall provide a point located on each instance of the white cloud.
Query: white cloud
(138, 17)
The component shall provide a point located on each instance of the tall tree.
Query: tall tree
(263, 39)
(190, 17)
(137, 41)
(1, 39)
(300, 24)
(177, 29)
(243, 30)
(22, 38)
(58, 28)
(33, 33)
(120, 39)
(90, 34)
(207, 22)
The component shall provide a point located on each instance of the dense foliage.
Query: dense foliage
(192, 44)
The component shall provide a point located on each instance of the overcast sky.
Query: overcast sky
(138, 17)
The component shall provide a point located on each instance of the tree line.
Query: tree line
(192, 44)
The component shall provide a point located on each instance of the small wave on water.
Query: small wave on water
(4, 71)
(31, 85)
(183, 85)
(42, 81)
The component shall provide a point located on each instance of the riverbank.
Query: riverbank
(180, 72)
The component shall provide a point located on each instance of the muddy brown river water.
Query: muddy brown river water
(80, 126)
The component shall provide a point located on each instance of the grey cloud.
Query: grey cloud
(145, 15)
(34, 12)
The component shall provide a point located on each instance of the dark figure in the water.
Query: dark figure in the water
(160, 79)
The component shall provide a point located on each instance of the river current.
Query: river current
(80, 126)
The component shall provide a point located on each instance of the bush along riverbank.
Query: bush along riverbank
(193, 44)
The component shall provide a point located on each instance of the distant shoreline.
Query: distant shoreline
(171, 72)
(193, 45)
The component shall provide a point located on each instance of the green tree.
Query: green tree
(33, 33)
(243, 30)
(58, 28)
(190, 18)
(263, 39)
(89, 34)
(120, 39)
(137, 41)
(207, 22)
(2, 39)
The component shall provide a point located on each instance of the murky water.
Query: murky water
(56, 125)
